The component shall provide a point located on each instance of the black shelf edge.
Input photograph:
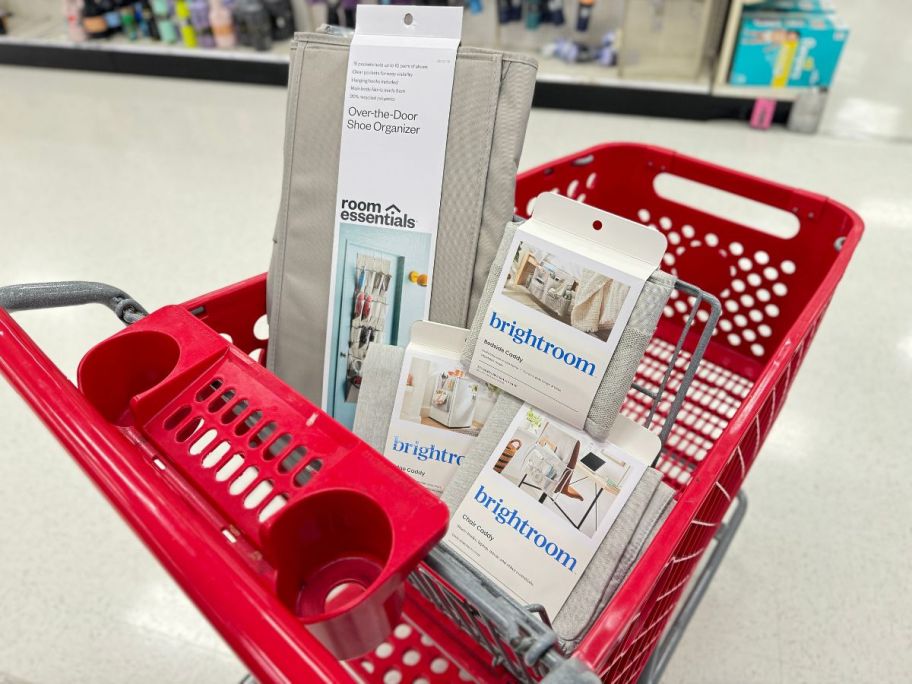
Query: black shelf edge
(668, 104)
(146, 63)
(548, 94)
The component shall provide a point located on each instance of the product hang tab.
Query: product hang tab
(568, 286)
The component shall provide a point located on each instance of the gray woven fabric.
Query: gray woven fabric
(639, 520)
(492, 96)
(591, 592)
(379, 380)
(633, 342)
(656, 513)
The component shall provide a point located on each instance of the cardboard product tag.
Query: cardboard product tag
(537, 513)
(439, 409)
(571, 280)
(397, 104)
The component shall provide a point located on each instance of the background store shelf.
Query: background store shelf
(41, 41)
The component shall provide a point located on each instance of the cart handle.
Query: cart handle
(253, 622)
(27, 296)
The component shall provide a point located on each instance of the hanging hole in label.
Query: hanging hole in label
(597, 225)
(408, 19)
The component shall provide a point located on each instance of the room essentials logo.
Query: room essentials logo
(510, 516)
(428, 452)
(527, 337)
(373, 214)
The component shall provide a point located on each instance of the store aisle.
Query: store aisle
(169, 188)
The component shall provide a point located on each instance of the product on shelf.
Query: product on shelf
(503, 11)
(533, 14)
(222, 24)
(182, 13)
(128, 19)
(606, 54)
(282, 18)
(145, 19)
(788, 49)
(583, 15)
(111, 16)
(93, 19)
(167, 31)
(348, 10)
(570, 51)
(72, 11)
(333, 18)
(555, 12)
(199, 19)
(254, 25)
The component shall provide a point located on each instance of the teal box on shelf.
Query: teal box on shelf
(786, 49)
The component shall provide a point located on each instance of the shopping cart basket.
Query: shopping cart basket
(455, 625)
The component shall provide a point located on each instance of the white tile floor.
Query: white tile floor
(168, 188)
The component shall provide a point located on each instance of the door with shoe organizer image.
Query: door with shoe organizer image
(377, 304)
(552, 466)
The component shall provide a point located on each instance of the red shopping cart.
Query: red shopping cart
(711, 383)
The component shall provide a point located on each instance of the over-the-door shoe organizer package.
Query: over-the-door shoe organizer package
(491, 99)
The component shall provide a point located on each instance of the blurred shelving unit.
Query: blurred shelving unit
(698, 90)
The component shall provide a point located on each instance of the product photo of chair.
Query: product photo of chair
(549, 467)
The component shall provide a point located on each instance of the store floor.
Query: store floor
(169, 188)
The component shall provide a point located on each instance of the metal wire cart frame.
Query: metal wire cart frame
(711, 383)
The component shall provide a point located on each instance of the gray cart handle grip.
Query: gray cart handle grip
(29, 296)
